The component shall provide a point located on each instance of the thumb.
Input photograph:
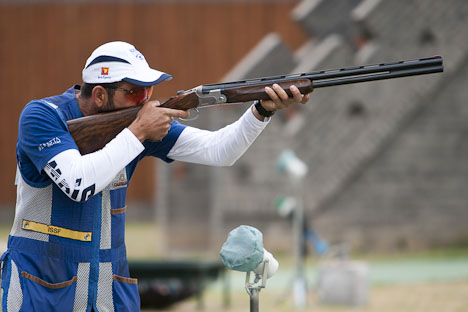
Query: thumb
(154, 103)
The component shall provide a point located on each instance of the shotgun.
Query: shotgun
(92, 133)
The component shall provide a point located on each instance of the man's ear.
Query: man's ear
(150, 92)
(99, 95)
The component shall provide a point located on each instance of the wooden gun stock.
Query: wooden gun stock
(91, 133)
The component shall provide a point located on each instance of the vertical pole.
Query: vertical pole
(254, 299)
(288, 162)
(299, 287)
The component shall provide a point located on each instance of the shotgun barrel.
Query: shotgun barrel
(335, 77)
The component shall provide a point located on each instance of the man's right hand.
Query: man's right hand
(153, 122)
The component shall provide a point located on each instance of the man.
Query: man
(66, 249)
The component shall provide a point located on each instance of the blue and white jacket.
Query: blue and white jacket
(66, 250)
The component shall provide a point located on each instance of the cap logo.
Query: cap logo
(105, 71)
(137, 54)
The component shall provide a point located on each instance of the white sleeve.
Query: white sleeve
(82, 176)
(218, 148)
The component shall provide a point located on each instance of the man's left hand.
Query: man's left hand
(279, 99)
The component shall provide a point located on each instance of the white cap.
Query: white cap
(120, 61)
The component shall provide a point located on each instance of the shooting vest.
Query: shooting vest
(65, 255)
(68, 256)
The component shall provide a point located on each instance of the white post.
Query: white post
(289, 163)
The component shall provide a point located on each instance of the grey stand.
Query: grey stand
(253, 288)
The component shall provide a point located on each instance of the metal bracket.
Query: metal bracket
(211, 97)
(253, 288)
(259, 281)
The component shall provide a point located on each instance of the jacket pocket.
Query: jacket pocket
(40, 295)
(118, 226)
(125, 293)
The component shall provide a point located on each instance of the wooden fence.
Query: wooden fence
(44, 46)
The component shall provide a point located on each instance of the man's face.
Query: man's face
(128, 95)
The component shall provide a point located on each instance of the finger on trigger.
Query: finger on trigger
(182, 114)
(175, 112)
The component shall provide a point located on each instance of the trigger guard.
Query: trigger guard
(190, 114)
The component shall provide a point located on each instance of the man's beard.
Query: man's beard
(109, 106)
